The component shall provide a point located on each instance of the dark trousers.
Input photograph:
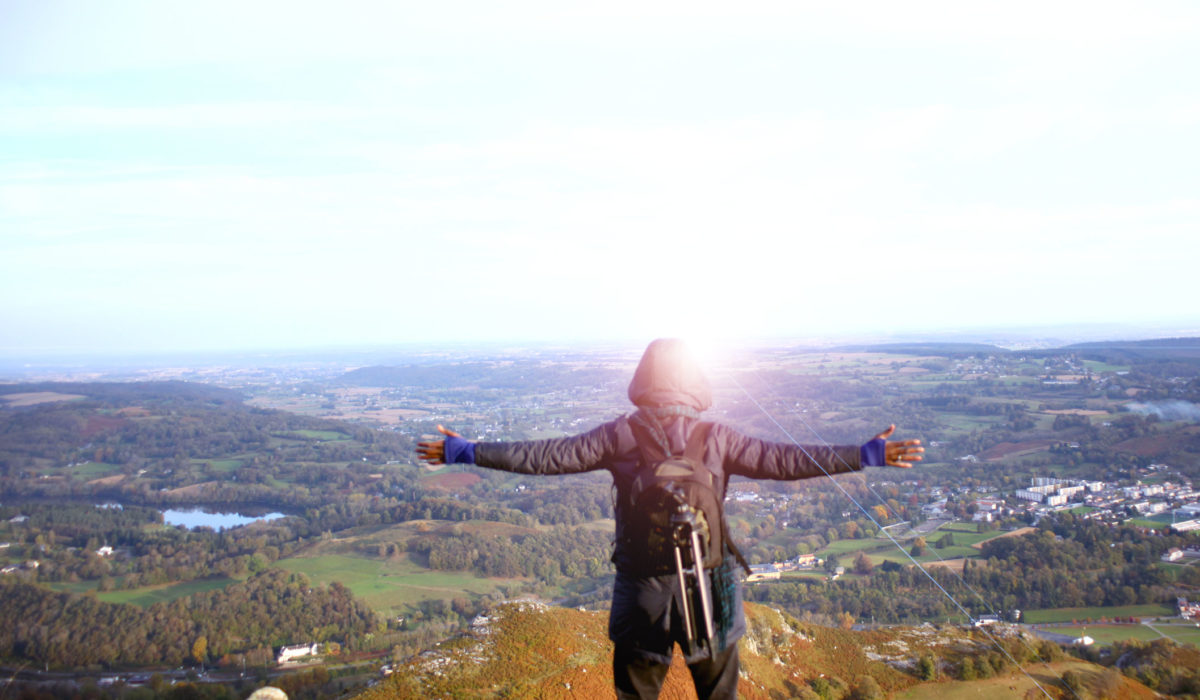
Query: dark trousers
(638, 678)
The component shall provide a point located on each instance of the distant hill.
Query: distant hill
(523, 375)
(941, 349)
(1120, 351)
(124, 392)
(529, 650)
(1178, 349)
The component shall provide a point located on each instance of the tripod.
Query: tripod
(690, 537)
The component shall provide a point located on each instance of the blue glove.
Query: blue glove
(873, 454)
(458, 451)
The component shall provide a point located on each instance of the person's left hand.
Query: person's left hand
(434, 452)
(901, 453)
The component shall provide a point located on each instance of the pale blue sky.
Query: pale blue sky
(227, 175)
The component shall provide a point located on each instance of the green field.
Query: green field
(72, 587)
(326, 435)
(964, 423)
(1156, 521)
(1051, 615)
(958, 551)
(840, 548)
(883, 550)
(1015, 685)
(95, 470)
(957, 527)
(968, 539)
(880, 548)
(806, 574)
(963, 538)
(389, 585)
(903, 558)
(1161, 519)
(226, 466)
(1177, 631)
(1181, 632)
(145, 597)
(1107, 634)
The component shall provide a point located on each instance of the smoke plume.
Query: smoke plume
(1167, 410)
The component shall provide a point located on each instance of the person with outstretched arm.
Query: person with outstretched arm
(670, 391)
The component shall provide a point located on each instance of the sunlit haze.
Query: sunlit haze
(221, 175)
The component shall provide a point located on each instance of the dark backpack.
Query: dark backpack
(669, 490)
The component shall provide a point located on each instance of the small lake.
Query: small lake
(196, 517)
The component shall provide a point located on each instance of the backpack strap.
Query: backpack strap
(694, 450)
(650, 437)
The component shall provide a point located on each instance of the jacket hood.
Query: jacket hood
(669, 375)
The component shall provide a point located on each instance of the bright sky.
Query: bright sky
(230, 174)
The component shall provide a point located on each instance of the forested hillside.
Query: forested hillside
(251, 617)
(161, 443)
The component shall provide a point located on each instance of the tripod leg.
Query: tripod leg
(702, 584)
(683, 594)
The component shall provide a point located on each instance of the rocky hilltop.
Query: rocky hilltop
(530, 650)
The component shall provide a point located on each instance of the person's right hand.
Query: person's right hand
(434, 451)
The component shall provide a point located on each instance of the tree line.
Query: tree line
(549, 556)
(267, 610)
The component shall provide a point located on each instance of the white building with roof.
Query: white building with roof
(291, 653)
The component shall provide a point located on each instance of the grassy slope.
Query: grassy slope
(146, 595)
(149, 595)
(388, 585)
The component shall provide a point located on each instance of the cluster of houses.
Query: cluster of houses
(1187, 610)
(27, 566)
(1046, 494)
(772, 572)
(31, 564)
(986, 509)
(1107, 500)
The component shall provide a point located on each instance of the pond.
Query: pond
(197, 517)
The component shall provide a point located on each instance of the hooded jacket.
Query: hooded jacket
(669, 384)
